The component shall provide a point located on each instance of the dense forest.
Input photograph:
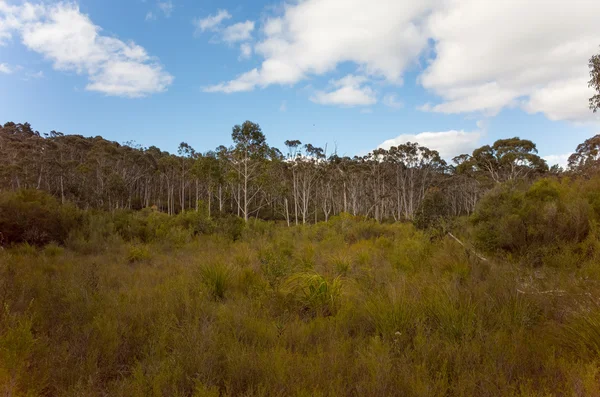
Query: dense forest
(251, 271)
(252, 179)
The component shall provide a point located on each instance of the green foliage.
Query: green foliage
(17, 345)
(315, 294)
(533, 220)
(138, 253)
(347, 307)
(217, 279)
(230, 226)
(433, 210)
(35, 217)
(52, 250)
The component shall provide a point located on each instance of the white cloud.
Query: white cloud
(348, 91)
(5, 68)
(245, 51)
(245, 82)
(391, 100)
(283, 107)
(71, 41)
(486, 54)
(493, 54)
(561, 160)
(211, 22)
(166, 7)
(562, 100)
(150, 16)
(238, 32)
(448, 143)
(314, 36)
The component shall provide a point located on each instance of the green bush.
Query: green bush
(314, 293)
(217, 278)
(231, 226)
(53, 250)
(529, 220)
(35, 217)
(433, 210)
(138, 253)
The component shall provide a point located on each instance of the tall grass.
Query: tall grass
(345, 308)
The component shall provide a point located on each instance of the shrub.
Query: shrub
(53, 250)
(433, 210)
(230, 226)
(35, 217)
(274, 266)
(197, 222)
(138, 253)
(315, 294)
(217, 278)
(528, 220)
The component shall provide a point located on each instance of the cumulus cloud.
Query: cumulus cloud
(71, 41)
(481, 55)
(314, 36)
(492, 54)
(347, 91)
(238, 32)
(211, 22)
(5, 68)
(449, 144)
(562, 160)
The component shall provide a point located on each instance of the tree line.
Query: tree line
(249, 178)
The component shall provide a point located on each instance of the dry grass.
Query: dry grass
(345, 308)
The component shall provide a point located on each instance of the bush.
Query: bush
(231, 226)
(53, 250)
(529, 220)
(314, 293)
(217, 278)
(138, 253)
(35, 217)
(433, 210)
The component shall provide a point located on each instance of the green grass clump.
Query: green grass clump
(53, 250)
(217, 279)
(314, 293)
(138, 253)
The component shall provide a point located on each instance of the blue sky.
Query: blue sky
(349, 74)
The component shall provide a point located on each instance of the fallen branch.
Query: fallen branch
(467, 248)
(558, 292)
(549, 292)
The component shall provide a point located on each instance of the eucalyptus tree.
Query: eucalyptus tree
(587, 156)
(594, 65)
(186, 159)
(415, 169)
(505, 160)
(247, 158)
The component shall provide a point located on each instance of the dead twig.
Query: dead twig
(467, 248)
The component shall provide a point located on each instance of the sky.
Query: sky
(346, 75)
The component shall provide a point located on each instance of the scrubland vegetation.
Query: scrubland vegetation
(129, 271)
(141, 303)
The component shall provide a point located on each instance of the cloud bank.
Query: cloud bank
(476, 56)
(73, 43)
